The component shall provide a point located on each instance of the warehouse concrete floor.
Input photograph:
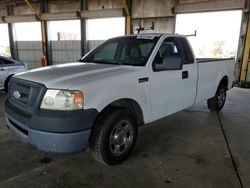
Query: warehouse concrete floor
(187, 149)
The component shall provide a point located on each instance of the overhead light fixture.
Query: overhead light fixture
(103, 13)
(20, 18)
(60, 16)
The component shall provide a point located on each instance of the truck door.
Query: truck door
(173, 78)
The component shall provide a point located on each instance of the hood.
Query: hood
(66, 75)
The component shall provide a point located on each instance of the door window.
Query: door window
(168, 56)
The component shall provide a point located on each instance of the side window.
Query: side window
(168, 56)
(106, 53)
(189, 58)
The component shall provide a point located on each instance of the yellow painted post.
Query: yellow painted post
(244, 66)
(128, 17)
(128, 25)
(43, 60)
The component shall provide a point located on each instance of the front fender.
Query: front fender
(101, 94)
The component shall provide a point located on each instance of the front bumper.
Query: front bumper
(57, 132)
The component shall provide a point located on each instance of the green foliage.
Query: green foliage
(217, 50)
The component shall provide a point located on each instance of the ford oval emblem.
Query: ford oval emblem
(17, 94)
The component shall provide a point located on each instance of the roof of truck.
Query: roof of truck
(151, 35)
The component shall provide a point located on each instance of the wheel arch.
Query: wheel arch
(224, 81)
(7, 80)
(128, 104)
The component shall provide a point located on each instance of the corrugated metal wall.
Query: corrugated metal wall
(62, 51)
(65, 51)
(30, 52)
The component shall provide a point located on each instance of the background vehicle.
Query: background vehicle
(101, 101)
(9, 67)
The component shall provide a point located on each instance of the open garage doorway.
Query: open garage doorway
(65, 38)
(29, 43)
(4, 41)
(217, 32)
(99, 30)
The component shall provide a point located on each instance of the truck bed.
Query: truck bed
(210, 70)
(207, 60)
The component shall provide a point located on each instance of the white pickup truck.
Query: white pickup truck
(101, 101)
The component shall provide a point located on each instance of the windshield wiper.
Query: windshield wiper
(82, 60)
(103, 61)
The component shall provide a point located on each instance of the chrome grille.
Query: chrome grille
(25, 95)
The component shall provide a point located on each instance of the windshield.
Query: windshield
(133, 50)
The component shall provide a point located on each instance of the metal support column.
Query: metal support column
(45, 59)
(127, 5)
(241, 65)
(244, 67)
(84, 6)
(11, 31)
(47, 56)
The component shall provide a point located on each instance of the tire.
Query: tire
(217, 102)
(6, 84)
(113, 137)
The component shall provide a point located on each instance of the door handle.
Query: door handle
(145, 79)
(2, 69)
(184, 74)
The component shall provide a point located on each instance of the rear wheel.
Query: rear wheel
(217, 102)
(113, 137)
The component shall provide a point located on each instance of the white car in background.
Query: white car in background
(9, 67)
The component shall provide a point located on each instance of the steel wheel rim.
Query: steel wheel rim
(121, 137)
(221, 97)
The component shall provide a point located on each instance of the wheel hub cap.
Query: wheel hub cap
(121, 137)
(221, 98)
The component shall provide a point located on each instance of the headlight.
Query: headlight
(62, 100)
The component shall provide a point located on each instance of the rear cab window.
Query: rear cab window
(189, 57)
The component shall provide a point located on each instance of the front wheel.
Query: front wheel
(217, 102)
(113, 136)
